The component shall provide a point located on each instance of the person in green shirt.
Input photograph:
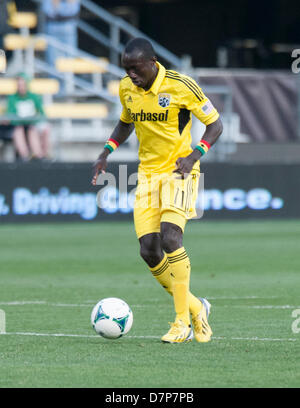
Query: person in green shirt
(30, 132)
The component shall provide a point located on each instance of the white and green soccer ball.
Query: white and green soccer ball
(111, 318)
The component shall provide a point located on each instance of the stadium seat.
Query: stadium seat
(11, 9)
(23, 48)
(14, 42)
(80, 65)
(76, 66)
(76, 110)
(72, 110)
(66, 113)
(113, 87)
(44, 86)
(41, 86)
(8, 86)
(23, 20)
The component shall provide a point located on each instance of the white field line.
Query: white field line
(239, 297)
(261, 306)
(252, 339)
(273, 307)
(23, 302)
(44, 303)
(135, 337)
(90, 303)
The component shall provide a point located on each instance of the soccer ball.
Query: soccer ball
(111, 318)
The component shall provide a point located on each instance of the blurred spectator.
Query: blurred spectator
(61, 23)
(30, 132)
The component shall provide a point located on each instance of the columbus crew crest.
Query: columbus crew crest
(164, 100)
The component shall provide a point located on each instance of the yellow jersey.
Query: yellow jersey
(162, 117)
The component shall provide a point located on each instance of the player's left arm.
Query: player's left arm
(210, 136)
(203, 109)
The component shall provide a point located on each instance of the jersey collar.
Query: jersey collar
(158, 80)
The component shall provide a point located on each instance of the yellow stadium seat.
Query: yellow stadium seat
(76, 110)
(11, 9)
(113, 87)
(8, 86)
(20, 42)
(80, 65)
(72, 110)
(23, 19)
(44, 86)
(41, 86)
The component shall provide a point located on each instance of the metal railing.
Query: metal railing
(117, 26)
(42, 66)
(112, 42)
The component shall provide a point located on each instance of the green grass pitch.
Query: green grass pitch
(52, 275)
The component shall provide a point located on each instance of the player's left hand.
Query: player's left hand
(184, 165)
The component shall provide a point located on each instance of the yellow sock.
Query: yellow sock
(180, 273)
(162, 273)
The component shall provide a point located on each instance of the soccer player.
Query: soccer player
(158, 103)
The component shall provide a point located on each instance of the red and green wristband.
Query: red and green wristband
(203, 146)
(111, 145)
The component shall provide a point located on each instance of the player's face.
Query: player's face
(140, 70)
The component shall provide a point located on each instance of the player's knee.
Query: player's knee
(171, 238)
(150, 255)
(169, 243)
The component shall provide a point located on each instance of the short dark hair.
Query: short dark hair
(142, 45)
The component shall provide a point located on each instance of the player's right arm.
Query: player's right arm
(120, 134)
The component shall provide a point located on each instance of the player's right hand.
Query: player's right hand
(99, 166)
